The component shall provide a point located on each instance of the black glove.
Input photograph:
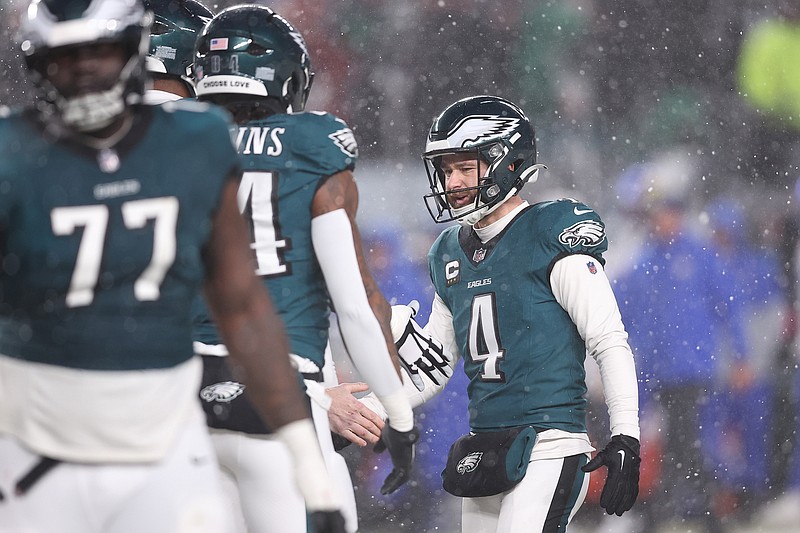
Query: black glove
(327, 522)
(401, 445)
(621, 456)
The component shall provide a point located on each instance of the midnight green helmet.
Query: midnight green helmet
(249, 51)
(496, 131)
(175, 29)
(58, 26)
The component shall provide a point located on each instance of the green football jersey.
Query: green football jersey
(102, 250)
(522, 353)
(285, 159)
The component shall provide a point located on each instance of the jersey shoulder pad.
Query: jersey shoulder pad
(329, 135)
(445, 239)
(443, 263)
(571, 227)
(204, 131)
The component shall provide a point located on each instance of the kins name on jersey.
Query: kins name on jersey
(260, 139)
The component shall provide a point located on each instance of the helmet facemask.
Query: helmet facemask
(96, 110)
(497, 159)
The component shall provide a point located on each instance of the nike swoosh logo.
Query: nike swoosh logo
(622, 454)
(581, 211)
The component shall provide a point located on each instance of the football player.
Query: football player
(300, 199)
(173, 34)
(521, 296)
(113, 214)
(176, 26)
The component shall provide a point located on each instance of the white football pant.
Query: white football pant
(262, 473)
(179, 494)
(544, 501)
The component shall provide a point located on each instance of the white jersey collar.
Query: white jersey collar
(487, 233)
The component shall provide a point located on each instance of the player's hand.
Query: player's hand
(621, 457)
(419, 352)
(401, 446)
(401, 314)
(327, 522)
(350, 418)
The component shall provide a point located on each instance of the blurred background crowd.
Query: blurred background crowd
(679, 122)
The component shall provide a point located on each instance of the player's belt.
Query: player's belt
(312, 376)
(42, 467)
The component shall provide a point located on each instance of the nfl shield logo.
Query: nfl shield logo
(108, 160)
(591, 266)
(479, 255)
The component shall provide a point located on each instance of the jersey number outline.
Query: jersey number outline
(94, 221)
(484, 342)
(258, 201)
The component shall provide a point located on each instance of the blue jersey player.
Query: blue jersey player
(522, 297)
(299, 198)
(113, 215)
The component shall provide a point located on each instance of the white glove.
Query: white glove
(418, 351)
(401, 314)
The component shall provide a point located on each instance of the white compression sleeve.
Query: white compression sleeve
(440, 327)
(310, 473)
(590, 302)
(332, 236)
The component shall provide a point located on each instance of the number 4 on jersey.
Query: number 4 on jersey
(258, 203)
(484, 337)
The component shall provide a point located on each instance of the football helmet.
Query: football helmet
(49, 25)
(176, 26)
(497, 132)
(251, 52)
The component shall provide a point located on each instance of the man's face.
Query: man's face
(85, 69)
(462, 170)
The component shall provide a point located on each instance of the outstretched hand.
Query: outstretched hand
(621, 457)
